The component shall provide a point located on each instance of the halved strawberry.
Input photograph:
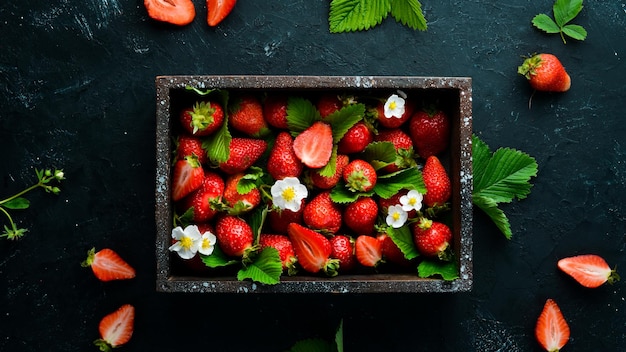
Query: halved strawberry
(187, 177)
(116, 328)
(178, 12)
(551, 331)
(314, 145)
(217, 10)
(312, 250)
(107, 265)
(369, 250)
(589, 270)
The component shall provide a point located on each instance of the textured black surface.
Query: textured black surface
(77, 92)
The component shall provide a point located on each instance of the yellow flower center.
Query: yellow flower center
(206, 243)
(289, 194)
(395, 216)
(412, 201)
(392, 105)
(186, 242)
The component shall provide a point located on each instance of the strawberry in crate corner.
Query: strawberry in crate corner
(339, 181)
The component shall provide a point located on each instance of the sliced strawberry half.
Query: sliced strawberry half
(187, 177)
(314, 145)
(217, 10)
(589, 270)
(107, 265)
(116, 328)
(369, 250)
(551, 331)
(312, 250)
(178, 12)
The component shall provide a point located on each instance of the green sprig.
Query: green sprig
(564, 12)
(359, 15)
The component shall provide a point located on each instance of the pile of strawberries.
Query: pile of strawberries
(342, 223)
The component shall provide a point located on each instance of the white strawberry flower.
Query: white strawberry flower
(207, 243)
(411, 201)
(187, 241)
(396, 216)
(394, 107)
(288, 193)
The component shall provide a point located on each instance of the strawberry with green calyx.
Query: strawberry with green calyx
(283, 245)
(107, 265)
(314, 145)
(356, 139)
(245, 114)
(545, 73)
(177, 12)
(369, 251)
(116, 328)
(239, 202)
(282, 161)
(432, 239)
(312, 250)
(218, 10)
(187, 177)
(342, 249)
(190, 145)
(203, 119)
(551, 329)
(359, 176)
(437, 182)
(275, 111)
(234, 236)
(589, 270)
(321, 213)
(360, 216)
(203, 204)
(243, 152)
(323, 182)
(430, 131)
(405, 156)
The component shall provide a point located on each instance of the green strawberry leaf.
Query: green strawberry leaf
(490, 207)
(546, 24)
(217, 146)
(266, 268)
(329, 169)
(341, 194)
(403, 238)
(446, 269)
(382, 152)
(217, 259)
(257, 219)
(409, 13)
(313, 345)
(357, 15)
(301, 114)
(390, 184)
(16, 203)
(566, 10)
(251, 180)
(575, 31)
(339, 337)
(341, 120)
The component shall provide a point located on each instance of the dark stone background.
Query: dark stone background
(77, 92)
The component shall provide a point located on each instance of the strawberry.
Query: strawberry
(234, 236)
(314, 145)
(279, 219)
(240, 203)
(186, 178)
(283, 161)
(432, 239)
(312, 250)
(107, 265)
(391, 251)
(360, 215)
(551, 330)
(437, 182)
(328, 104)
(203, 118)
(322, 214)
(323, 182)
(284, 247)
(116, 328)
(218, 10)
(545, 72)
(403, 145)
(243, 153)
(246, 115)
(355, 139)
(178, 12)
(189, 145)
(369, 250)
(342, 249)
(359, 176)
(589, 270)
(430, 132)
(205, 202)
(275, 111)
(394, 122)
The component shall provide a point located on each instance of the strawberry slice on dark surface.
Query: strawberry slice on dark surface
(178, 12)
(107, 265)
(589, 270)
(116, 328)
(314, 145)
(312, 250)
(551, 330)
(218, 10)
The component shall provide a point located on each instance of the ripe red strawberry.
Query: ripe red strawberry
(369, 251)
(234, 236)
(107, 265)
(116, 328)
(404, 148)
(360, 176)
(243, 153)
(355, 139)
(430, 132)
(432, 239)
(178, 12)
(589, 270)
(186, 178)
(284, 247)
(323, 182)
(283, 161)
(391, 251)
(205, 201)
(551, 330)
(189, 145)
(240, 203)
(275, 111)
(246, 115)
(203, 118)
(312, 250)
(393, 122)
(545, 73)
(314, 145)
(342, 249)
(360, 215)
(218, 10)
(278, 220)
(437, 182)
(328, 104)
(322, 214)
